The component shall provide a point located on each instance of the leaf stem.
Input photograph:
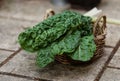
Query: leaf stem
(109, 21)
(94, 13)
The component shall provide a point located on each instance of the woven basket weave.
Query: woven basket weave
(99, 31)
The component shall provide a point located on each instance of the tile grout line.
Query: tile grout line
(17, 75)
(10, 57)
(3, 49)
(113, 67)
(108, 61)
(23, 76)
(108, 46)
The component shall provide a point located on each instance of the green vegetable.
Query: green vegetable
(85, 50)
(67, 33)
(51, 29)
(66, 45)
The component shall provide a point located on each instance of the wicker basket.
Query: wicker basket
(99, 31)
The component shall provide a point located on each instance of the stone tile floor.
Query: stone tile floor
(18, 65)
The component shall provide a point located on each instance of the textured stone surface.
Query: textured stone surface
(111, 8)
(113, 34)
(11, 78)
(27, 9)
(115, 62)
(9, 30)
(111, 75)
(24, 63)
(4, 55)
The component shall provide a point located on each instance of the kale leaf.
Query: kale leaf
(66, 45)
(85, 50)
(50, 30)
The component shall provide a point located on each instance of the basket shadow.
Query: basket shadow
(57, 70)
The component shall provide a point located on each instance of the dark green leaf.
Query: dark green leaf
(85, 50)
(66, 45)
(51, 29)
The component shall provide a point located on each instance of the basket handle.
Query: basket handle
(49, 12)
(99, 29)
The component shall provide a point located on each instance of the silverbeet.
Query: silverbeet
(67, 33)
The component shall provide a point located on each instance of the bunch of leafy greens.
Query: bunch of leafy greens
(67, 33)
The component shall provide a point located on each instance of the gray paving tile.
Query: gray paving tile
(111, 75)
(27, 9)
(113, 34)
(110, 8)
(4, 55)
(11, 78)
(24, 63)
(9, 31)
(115, 62)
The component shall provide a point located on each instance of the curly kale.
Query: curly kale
(67, 33)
